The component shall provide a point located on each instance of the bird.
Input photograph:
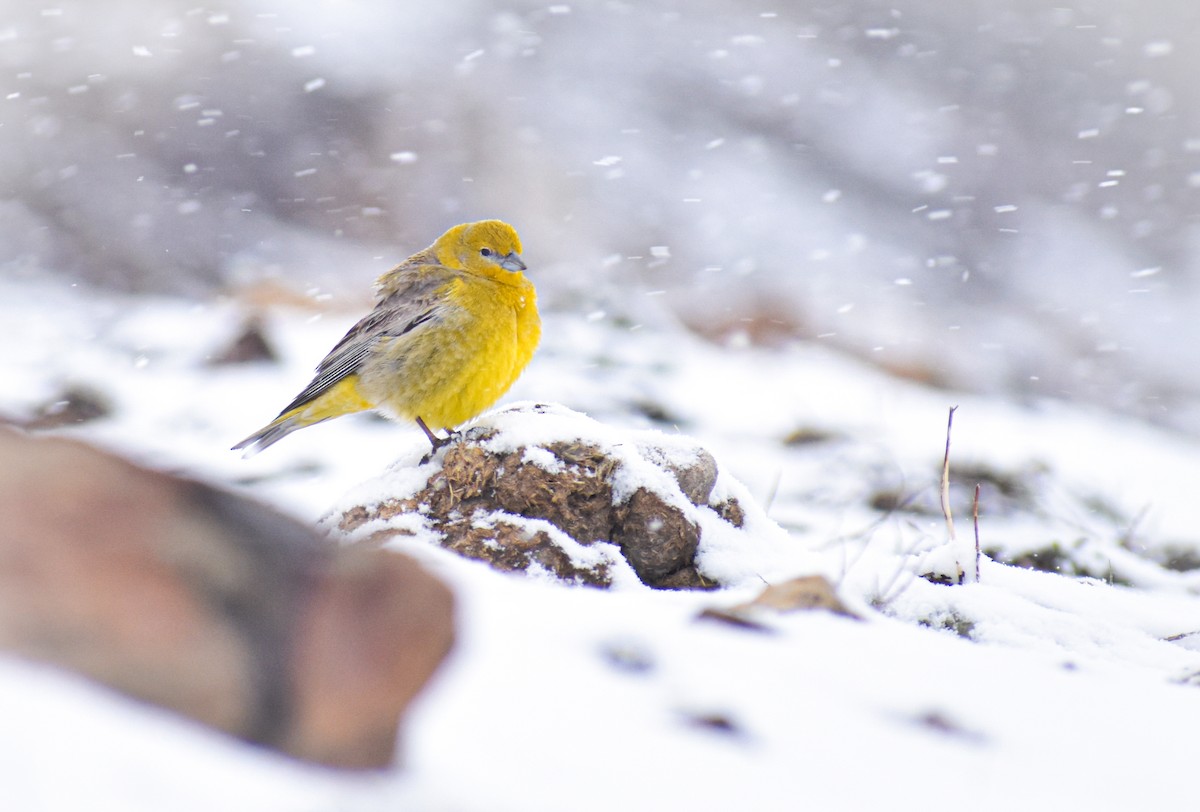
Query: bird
(453, 327)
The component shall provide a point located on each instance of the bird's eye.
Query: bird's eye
(487, 252)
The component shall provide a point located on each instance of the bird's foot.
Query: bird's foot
(434, 440)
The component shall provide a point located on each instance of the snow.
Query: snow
(68, 744)
(1028, 689)
(735, 129)
(828, 710)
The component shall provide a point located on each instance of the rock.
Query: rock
(696, 475)
(656, 538)
(374, 630)
(209, 604)
(575, 507)
(250, 345)
(72, 406)
(479, 503)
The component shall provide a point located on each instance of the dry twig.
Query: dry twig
(975, 516)
(945, 494)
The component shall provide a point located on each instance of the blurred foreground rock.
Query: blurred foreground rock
(211, 605)
(574, 504)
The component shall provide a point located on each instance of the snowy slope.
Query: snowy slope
(1028, 688)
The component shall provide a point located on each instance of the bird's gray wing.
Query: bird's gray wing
(414, 299)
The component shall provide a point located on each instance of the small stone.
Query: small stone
(73, 406)
(656, 538)
(698, 479)
(249, 346)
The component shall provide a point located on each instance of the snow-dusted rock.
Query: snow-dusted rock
(544, 489)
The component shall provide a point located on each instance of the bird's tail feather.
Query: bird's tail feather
(269, 434)
(342, 397)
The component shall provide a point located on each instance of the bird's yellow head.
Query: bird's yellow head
(485, 247)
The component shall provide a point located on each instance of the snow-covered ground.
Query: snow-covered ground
(1028, 689)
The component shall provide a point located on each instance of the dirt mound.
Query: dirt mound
(570, 507)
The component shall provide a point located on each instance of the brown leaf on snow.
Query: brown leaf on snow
(803, 593)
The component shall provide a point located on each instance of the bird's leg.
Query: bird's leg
(434, 440)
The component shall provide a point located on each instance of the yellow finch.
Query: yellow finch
(454, 326)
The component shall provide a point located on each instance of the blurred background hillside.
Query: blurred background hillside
(997, 196)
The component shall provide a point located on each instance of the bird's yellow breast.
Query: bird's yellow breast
(462, 362)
